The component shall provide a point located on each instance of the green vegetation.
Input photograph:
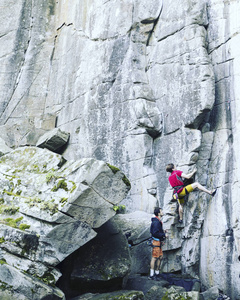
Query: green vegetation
(8, 209)
(3, 261)
(3, 285)
(47, 278)
(33, 201)
(73, 187)
(44, 205)
(60, 185)
(126, 181)
(63, 201)
(51, 176)
(2, 240)
(17, 194)
(174, 296)
(1, 200)
(36, 168)
(24, 226)
(119, 209)
(50, 206)
(113, 168)
(12, 222)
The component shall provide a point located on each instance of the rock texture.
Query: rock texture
(50, 208)
(137, 84)
(54, 140)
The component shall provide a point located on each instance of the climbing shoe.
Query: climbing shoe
(158, 277)
(214, 192)
(180, 221)
(154, 277)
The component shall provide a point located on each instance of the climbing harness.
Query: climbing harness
(175, 191)
(177, 188)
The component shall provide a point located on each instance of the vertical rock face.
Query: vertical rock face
(221, 226)
(137, 84)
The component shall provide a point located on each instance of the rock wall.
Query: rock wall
(137, 84)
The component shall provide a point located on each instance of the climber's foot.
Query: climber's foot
(213, 192)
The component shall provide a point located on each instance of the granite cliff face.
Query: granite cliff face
(137, 84)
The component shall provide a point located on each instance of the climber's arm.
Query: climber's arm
(189, 175)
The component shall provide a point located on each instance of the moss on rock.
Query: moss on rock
(60, 185)
(126, 181)
(113, 168)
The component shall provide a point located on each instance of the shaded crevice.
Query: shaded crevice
(64, 24)
(154, 25)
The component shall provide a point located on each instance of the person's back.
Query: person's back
(175, 179)
(156, 229)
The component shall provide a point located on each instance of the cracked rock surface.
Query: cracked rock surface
(137, 84)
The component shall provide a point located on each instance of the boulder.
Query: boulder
(136, 226)
(102, 265)
(53, 140)
(27, 286)
(142, 283)
(175, 293)
(210, 294)
(43, 204)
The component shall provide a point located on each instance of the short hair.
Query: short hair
(169, 168)
(157, 211)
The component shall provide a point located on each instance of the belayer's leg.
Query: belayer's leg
(152, 267)
(158, 265)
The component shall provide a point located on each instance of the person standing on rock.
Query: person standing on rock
(158, 235)
(179, 190)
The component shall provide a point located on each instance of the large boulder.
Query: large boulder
(53, 140)
(26, 286)
(49, 208)
(102, 265)
(136, 227)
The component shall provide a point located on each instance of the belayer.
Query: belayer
(158, 236)
(179, 190)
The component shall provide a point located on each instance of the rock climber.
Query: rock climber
(158, 236)
(179, 190)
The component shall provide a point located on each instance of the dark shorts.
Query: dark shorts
(157, 251)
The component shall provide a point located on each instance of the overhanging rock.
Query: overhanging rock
(53, 140)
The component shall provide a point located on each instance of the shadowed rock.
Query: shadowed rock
(53, 140)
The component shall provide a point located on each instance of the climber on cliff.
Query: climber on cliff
(179, 190)
(158, 236)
